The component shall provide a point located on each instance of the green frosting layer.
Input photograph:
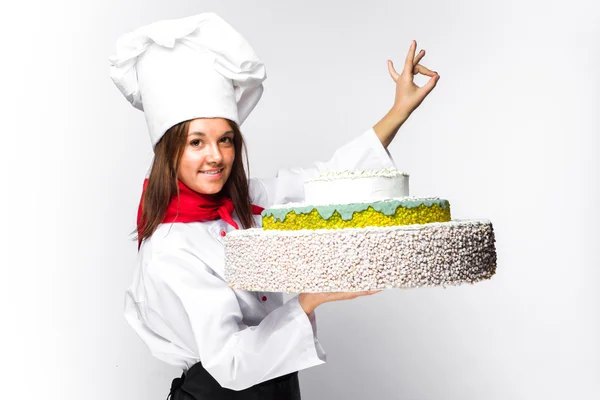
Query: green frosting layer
(346, 211)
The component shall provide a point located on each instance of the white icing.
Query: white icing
(347, 174)
(405, 198)
(345, 187)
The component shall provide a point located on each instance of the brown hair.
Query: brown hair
(162, 182)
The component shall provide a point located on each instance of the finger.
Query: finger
(408, 64)
(393, 72)
(430, 85)
(419, 57)
(368, 292)
(423, 70)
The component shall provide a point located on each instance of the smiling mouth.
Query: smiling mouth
(215, 172)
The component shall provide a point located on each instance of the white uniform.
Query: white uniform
(182, 308)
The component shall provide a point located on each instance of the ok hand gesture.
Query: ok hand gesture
(408, 95)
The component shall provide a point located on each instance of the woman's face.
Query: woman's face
(208, 156)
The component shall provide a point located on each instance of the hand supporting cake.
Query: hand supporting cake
(359, 231)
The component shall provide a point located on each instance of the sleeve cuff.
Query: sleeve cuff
(313, 349)
(380, 152)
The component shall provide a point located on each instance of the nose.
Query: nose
(214, 154)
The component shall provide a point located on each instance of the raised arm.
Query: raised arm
(408, 95)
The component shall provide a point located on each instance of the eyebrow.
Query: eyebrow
(198, 133)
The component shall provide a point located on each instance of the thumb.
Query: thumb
(392, 70)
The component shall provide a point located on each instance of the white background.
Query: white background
(510, 134)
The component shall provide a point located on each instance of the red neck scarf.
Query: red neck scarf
(192, 206)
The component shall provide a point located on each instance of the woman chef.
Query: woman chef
(197, 79)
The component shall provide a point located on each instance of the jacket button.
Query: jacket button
(223, 233)
(264, 298)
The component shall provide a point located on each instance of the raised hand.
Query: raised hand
(408, 95)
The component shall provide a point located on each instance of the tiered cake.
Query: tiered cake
(359, 231)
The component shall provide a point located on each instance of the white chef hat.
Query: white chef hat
(181, 69)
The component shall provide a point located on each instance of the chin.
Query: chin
(214, 188)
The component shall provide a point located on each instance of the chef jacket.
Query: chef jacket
(183, 309)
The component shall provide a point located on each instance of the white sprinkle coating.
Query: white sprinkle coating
(355, 259)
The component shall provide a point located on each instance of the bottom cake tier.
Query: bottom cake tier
(355, 259)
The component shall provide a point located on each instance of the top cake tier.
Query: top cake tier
(343, 187)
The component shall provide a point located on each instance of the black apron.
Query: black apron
(198, 384)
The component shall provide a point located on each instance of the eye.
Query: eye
(195, 142)
(227, 139)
